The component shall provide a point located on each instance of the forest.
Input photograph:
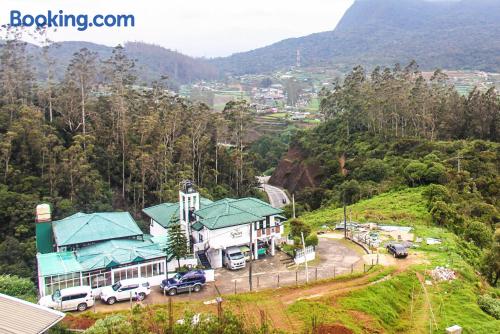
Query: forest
(393, 129)
(96, 141)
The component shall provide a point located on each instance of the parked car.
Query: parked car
(193, 280)
(135, 288)
(233, 258)
(397, 250)
(77, 298)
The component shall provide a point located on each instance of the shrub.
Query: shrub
(415, 172)
(490, 305)
(478, 233)
(17, 287)
(297, 227)
(373, 170)
(312, 240)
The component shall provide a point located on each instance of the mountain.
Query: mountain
(152, 61)
(446, 34)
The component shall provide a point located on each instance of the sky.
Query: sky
(201, 28)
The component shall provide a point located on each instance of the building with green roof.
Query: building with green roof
(83, 229)
(97, 250)
(212, 227)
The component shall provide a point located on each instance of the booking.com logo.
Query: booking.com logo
(82, 21)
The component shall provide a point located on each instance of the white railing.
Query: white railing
(308, 255)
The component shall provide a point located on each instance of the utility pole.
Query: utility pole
(345, 216)
(458, 164)
(305, 257)
(251, 257)
(293, 205)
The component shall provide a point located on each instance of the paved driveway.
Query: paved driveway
(336, 257)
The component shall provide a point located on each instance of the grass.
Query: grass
(404, 207)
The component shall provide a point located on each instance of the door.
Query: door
(69, 302)
(127, 291)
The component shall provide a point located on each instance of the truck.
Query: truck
(233, 258)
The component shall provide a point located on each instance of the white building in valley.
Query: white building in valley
(212, 227)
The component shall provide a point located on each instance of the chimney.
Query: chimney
(44, 234)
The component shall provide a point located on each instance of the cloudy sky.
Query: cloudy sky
(195, 27)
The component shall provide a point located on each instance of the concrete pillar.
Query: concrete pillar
(256, 250)
(272, 246)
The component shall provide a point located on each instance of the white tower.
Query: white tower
(189, 201)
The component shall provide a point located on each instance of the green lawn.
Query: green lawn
(404, 207)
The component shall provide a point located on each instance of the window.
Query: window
(147, 270)
(268, 221)
(200, 237)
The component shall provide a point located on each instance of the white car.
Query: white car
(77, 298)
(135, 288)
(233, 258)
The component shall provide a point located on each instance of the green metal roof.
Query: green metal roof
(51, 264)
(117, 252)
(84, 228)
(232, 212)
(256, 206)
(197, 226)
(166, 214)
(102, 255)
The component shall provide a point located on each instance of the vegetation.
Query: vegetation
(18, 287)
(157, 321)
(95, 141)
(449, 35)
(177, 243)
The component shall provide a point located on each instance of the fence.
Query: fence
(302, 257)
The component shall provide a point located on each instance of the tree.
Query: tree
(491, 261)
(177, 242)
(81, 74)
(297, 227)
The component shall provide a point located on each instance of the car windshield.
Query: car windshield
(116, 286)
(177, 277)
(56, 295)
(236, 256)
(399, 248)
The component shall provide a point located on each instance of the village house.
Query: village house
(212, 227)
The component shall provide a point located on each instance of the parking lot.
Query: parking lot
(334, 257)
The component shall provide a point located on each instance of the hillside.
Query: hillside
(438, 34)
(152, 61)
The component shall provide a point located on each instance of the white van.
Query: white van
(135, 288)
(70, 299)
(234, 258)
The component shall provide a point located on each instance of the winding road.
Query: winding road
(277, 196)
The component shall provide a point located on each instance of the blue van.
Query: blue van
(184, 282)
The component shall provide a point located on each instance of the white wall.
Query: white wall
(156, 230)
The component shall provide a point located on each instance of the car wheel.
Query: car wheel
(197, 288)
(172, 292)
(82, 307)
(111, 300)
(141, 296)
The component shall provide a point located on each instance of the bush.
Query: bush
(415, 172)
(297, 227)
(478, 233)
(17, 287)
(312, 240)
(490, 305)
(373, 170)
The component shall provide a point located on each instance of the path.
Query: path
(277, 196)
